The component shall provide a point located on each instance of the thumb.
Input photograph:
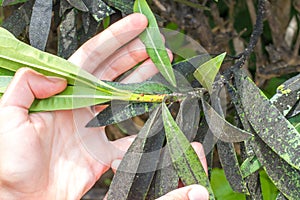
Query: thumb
(28, 85)
(191, 192)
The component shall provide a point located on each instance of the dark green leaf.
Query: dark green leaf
(230, 164)
(78, 4)
(19, 19)
(67, 37)
(184, 158)
(63, 7)
(40, 23)
(98, 9)
(222, 129)
(287, 95)
(274, 129)
(285, 177)
(120, 111)
(250, 165)
(152, 39)
(135, 172)
(295, 121)
(125, 6)
(207, 72)
(226, 151)
(188, 117)
(166, 178)
(11, 2)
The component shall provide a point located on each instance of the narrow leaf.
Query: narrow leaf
(18, 20)
(273, 128)
(287, 96)
(40, 23)
(146, 87)
(207, 72)
(184, 158)
(78, 4)
(15, 54)
(134, 175)
(98, 9)
(222, 129)
(125, 6)
(285, 177)
(250, 165)
(120, 111)
(152, 39)
(67, 37)
(11, 2)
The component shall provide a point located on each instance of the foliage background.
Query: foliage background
(227, 26)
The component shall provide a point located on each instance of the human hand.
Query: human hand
(44, 155)
(51, 155)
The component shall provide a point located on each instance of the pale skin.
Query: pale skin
(42, 155)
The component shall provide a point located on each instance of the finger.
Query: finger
(201, 154)
(98, 48)
(28, 85)
(144, 71)
(191, 192)
(123, 60)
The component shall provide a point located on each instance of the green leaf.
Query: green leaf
(207, 72)
(285, 177)
(152, 39)
(250, 165)
(15, 54)
(120, 111)
(184, 158)
(71, 98)
(221, 187)
(4, 81)
(124, 6)
(287, 95)
(11, 2)
(273, 128)
(222, 129)
(295, 121)
(134, 175)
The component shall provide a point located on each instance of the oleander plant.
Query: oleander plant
(222, 100)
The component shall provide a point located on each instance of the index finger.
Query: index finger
(100, 47)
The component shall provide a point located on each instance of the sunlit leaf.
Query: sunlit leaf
(152, 39)
(15, 54)
(40, 23)
(207, 72)
(184, 158)
(134, 175)
(273, 128)
(250, 165)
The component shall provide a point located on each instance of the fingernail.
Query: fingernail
(198, 193)
(55, 79)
